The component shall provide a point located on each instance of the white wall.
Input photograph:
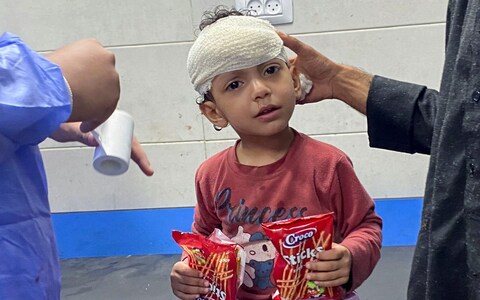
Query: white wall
(151, 38)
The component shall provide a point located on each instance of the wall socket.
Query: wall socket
(275, 11)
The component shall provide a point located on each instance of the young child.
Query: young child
(240, 67)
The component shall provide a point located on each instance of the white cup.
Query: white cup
(114, 137)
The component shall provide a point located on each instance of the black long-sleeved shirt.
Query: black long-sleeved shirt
(446, 125)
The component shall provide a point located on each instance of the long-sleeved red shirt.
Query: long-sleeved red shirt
(312, 178)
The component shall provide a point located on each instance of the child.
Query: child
(239, 65)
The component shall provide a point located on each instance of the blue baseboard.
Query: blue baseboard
(401, 220)
(143, 232)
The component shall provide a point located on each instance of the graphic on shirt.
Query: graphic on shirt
(243, 214)
(259, 262)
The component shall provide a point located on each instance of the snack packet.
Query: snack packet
(297, 242)
(221, 260)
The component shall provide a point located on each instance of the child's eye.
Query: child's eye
(233, 85)
(271, 70)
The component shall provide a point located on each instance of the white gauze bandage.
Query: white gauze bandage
(234, 43)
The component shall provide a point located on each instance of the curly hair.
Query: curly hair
(219, 12)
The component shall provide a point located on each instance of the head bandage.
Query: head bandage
(233, 43)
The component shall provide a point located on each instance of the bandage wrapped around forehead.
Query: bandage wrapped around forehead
(234, 43)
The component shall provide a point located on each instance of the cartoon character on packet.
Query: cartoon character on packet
(260, 256)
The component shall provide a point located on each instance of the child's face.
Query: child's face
(258, 100)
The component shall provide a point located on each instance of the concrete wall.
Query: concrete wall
(151, 39)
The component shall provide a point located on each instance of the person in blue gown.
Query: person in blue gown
(62, 95)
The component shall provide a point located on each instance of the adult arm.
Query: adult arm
(330, 80)
(34, 88)
(400, 115)
(34, 98)
(90, 71)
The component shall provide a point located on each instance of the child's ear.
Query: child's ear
(210, 111)
(296, 81)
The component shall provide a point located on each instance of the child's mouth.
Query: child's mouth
(266, 110)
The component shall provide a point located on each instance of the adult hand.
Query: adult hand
(330, 80)
(70, 132)
(331, 267)
(140, 158)
(315, 66)
(90, 71)
(187, 283)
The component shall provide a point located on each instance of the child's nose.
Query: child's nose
(260, 89)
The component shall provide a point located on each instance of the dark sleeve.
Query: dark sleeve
(401, 115)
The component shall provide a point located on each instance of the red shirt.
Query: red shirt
(312, 178)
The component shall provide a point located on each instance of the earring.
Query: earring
(216, 127)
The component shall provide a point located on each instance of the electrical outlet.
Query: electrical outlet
(255, 6)
(273, 7)
(275, 11)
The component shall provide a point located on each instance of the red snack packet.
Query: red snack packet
(297, 241)
(219, 260)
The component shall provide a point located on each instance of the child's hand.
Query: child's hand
(187, 283)
(331, 267)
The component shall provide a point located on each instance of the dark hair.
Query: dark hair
(219, 12)
(210, 17)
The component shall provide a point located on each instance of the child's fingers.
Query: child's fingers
(335, 253)
(329, 255)
(327, 273)
(323, 266)
(185, 291)
(187, 283)
(182, 269)
(332, 282)
(190, 281)
(188, 277)
(188, 287)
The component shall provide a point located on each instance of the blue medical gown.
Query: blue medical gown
(34, 101)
